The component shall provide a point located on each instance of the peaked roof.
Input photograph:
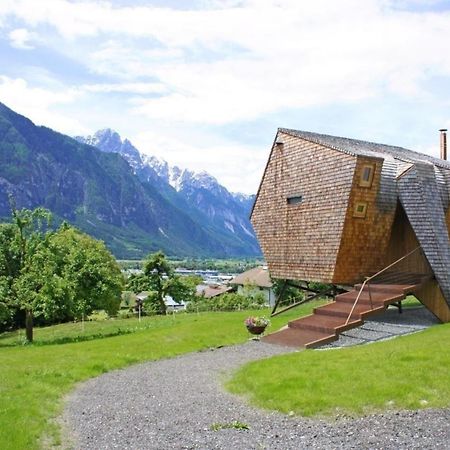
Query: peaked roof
(210, 291)
(357, 147)
(259, 276)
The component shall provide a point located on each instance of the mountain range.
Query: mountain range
(135, 203)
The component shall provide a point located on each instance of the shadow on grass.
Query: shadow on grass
(68, 339)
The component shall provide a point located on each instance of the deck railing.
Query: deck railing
(369, 279)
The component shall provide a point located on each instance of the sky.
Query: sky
(204, 84)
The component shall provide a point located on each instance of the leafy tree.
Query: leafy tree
(138, 282)
(54, 276)
(90, 269)
(160, 274)
(183, 288)
(19, 241)
(159, 280)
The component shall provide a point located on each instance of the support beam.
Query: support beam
(279, 297)
(287, 308)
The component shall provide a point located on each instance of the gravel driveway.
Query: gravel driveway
(173, 404)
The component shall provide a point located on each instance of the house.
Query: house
(212, 290)
(253, 281)
(338, 210)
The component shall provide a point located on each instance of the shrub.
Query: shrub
(98, 315)
(226, 302)
(125, 314)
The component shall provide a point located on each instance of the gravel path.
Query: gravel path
(172, 404)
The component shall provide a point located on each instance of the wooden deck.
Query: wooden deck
(328, 321)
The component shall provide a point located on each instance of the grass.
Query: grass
(411, 302)
(35, 378)
(409, 372)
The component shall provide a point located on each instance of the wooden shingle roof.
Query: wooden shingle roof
(419, 195)
(357, 147)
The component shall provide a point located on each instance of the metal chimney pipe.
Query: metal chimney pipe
(443, 143)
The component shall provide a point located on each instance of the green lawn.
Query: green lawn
(34, 378)
(408, 372)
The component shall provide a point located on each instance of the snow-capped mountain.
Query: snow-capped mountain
(197, 193)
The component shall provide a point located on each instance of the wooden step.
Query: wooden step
(375, 297)
(327, 321)
(342, 309)
(294, 337)
(393, 288)
(325, 324)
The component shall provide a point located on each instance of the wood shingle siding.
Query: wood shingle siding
(303, 239)
(365, 240)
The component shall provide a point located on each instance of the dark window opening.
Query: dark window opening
(295, 200)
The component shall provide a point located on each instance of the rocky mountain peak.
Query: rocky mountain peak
(200, 192)
(109, 141)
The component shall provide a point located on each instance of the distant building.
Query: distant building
(255, 280)
(212, 290)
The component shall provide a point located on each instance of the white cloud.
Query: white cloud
(39, 104)
(132, 88)
(20, 38)
(261, 57)
(230, 62)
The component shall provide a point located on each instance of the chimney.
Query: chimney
(443, 143)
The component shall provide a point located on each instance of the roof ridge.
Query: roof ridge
(365, 148)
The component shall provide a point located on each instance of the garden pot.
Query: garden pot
(256, 330)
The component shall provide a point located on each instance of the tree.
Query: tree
(183, 289)
(54, 275)
(19, 242)
(90, 270)
(159, 274)
(159, 280)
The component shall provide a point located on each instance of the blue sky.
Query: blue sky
(205, 84)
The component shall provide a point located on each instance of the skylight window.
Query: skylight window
(367, 175)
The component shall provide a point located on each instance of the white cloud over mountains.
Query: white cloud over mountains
(20, 38)
(225, 63)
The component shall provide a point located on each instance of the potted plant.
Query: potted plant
(256, 325)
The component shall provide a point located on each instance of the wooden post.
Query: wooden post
(370, 296)
(29, 324)
(279, 297)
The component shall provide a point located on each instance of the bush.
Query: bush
(125, 314)
(226, 302)
(98, 316)
(152, 306)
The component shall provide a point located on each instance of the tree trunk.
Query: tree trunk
(29, 324)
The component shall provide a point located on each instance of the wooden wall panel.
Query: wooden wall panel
(365, 239)
(402, 241)
(431, 296)
(301, 241)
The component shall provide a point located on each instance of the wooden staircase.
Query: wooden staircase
(344, 313)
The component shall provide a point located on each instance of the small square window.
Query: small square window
(360, 209)
(366, 175)
(294, 200)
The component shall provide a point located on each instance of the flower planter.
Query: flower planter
(257, 330)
